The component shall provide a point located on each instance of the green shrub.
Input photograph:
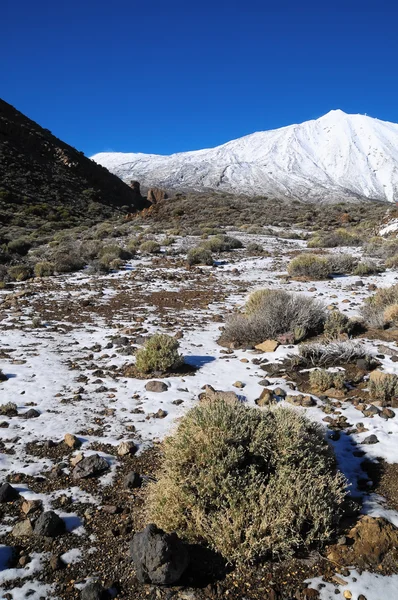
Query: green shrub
(250, 483)
(67, 261)
(20, 272)
(160, 353)
(254, 248)
(384, 388)
(19, 246)
(199, 256)
(222, 243)
(44, 269)
(271, 313)
(149, 247)
(309, 266)
(367, 267)
(333, 239)
(336, 325)
(322, 380)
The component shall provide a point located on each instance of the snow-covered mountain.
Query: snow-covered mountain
(335, 157)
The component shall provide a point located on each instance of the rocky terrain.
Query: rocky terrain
(81, 431)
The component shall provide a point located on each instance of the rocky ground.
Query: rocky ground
(80, 433)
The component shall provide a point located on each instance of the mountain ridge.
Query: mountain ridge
(336, 157)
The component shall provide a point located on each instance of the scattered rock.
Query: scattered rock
(156, 386)
(371, 439)
(76, 459)
(266, 398)
(23, 529)
(159, 558)
(90, 466)
(49, 524)
(8, 493)
(267, 346)
(211, 394)
(387, 413)
(30, 506)
(126, 448)
(32, 413)
(72, 441)
(93, 591)
(56, 563)
(239, 384)
(132, 480)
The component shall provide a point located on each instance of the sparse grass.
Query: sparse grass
(20, 272)
(160, 353)
(322, 380)
(247, 482)
(367, 267)
(271, 313)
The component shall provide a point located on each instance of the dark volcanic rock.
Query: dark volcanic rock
(93, 591)
(132, 480)
(159, 558)
(8, 493)
(156, 386)
(91, 466)
(49, 524)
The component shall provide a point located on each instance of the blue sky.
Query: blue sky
(164, 77)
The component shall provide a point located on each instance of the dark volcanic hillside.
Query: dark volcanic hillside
(47, 183)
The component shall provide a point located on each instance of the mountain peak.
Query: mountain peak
(313, 161)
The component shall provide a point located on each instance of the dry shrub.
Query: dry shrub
(367, 267)
(20, 272)
(337, 324)
(247, 482)
(222, 243)
(333, 239)
(160, 353)
(150, 247)
(44, 269)
(391, 314)
(384, 388)
(270, 313)
(199, 256)
(322, 380)
(373, 309)
(328, 355)
(309, 266)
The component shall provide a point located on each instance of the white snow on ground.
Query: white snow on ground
(47, 381)
(370, 585)
(390, 228)
(337, 155)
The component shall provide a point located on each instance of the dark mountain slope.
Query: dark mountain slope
(46, 184)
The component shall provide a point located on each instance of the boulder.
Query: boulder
(93, 591)
(267, 346)
(90, 466)
(126, 448)
(72, 441)
(132, 480)
(23, 529)
(32, 413)
(29, 506)
(210, 393)
(266, 398)
(8, 493)
(156, 386)
(155, 195)
(49, 524)
(160, 558)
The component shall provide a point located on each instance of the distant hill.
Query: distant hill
(46, 184)
(334, 158)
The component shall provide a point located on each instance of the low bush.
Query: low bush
(20, 272)
(374, 308)
(19, 246)
(44, 269)
(336, 325)
(384, 388)
(331, 354)
(270, 313)
(322, 380)
(199, 256)
(309, 266)
(160, 353)
(249, 483)
(67, 261)
(254, 248)
(367, 267)
(333, 239)
(222, 243)
(150, 247)
(340, 264)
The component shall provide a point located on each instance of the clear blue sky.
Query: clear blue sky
(167, 76)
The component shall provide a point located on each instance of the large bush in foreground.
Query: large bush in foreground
(160, 353)
(248, 483)
(270, 313)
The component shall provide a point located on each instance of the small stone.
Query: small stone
(76, 459)
(387, 413)
(239, 384)
(361, 597)
(371, 439)
(8, 493)
(90, 466)
(278, 391)
(347, 594)
(132, 480)
(160, 414)
(92, 591)
(264, 382)
(23, 529)
(72, 441)
(49, 524)
(244, 360)
(126, 448)
(56, 563)
(266, 398)
(31, 414)
(29, 506)
(267, 346)
(156, 386)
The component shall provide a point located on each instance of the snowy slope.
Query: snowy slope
(334, 157)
